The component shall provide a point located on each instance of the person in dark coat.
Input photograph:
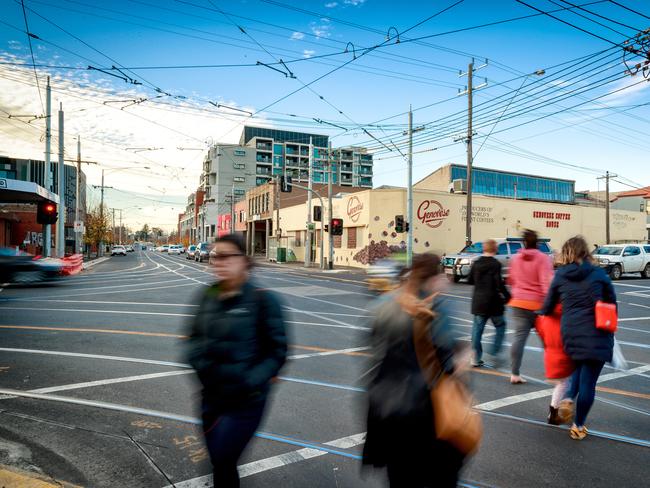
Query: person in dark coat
(578, 285)
(400, 425)
(237, 345)
(488, 302)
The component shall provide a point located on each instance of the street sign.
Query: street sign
(311, 226)
(78, 226)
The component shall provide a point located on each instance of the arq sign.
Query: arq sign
(432, 213)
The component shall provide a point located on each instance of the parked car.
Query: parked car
(164, 248)
(458, 266)
(190, 252)
(129, 248)
(174, 250)
(182, 248)
(617, 259)
(22, 268)
(118, 250)
(202, 252)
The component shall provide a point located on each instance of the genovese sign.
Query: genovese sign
(432, 213)
(355, 207)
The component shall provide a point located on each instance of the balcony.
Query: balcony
(260, 180)
(366, 159)
(345, 168)
(346, 180)
(365, 182)
(291, 149)
(365, 171)
(264, 146)
(263, 171)
(346, 156)
(261, 158)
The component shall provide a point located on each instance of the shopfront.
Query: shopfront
(440, 221)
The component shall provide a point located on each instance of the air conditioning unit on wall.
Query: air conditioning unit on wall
(458, 186)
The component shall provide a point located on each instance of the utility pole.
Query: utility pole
(309, 221)
(607, 177)
(60, 224)
(113, 233)
(120, 225)
(232, 209)
(470, 136)
(330, 237)
(47, 177)
(77, 214)
(101, 215)
(278, 230)
(409, 195)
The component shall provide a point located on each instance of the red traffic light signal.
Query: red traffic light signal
(46, 213)
(337, 227)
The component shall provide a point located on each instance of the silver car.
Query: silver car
(458, 266)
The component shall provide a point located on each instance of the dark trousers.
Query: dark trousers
(227, 432)
(583, 387)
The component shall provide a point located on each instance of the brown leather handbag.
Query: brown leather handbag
(455, 421)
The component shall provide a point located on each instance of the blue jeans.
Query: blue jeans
(226, 435)
(583, 387)
(477, 333)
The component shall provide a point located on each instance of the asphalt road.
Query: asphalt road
(94, 392)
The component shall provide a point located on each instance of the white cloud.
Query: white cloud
(106, 132)
(321, 29)
(297, 36)
(308, 53)
(354, 3)
(331, 5)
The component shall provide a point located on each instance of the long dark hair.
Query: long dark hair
(424, 266)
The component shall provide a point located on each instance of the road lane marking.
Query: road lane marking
(322, 383)
(631, 285)
(616, 391)
(127, 312)
(333, 352)
(110, 381)
(630, 319)
(122, 291)
(103, 302)
(638, 305)
(99, 331)
(514, 399)
(323, 349)
(337, 326)
(179, 274)
(278, 461)
(97, 356)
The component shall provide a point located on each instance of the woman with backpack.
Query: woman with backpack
(579, 285)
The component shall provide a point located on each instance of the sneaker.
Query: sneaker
(515, 379)
(578, 433)
(565, 411)
(553, 416)
(477, 364)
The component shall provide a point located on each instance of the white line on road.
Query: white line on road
(629, 319)
(156, 304)
(512, 400)
(96, 356)
(336, 326)
(127, 312)
(328, 353)
(111, 381)
(633, 286)
(638, 305)
(278, 461)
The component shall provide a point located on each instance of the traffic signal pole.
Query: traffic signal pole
(60, 224)
(322, 222)
(309, 192)
(330, 237)
(409, 191)
(47, 183)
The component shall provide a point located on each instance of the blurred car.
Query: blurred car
(115, 250)
(182, 248)
(22, 268)
(129, 248)
(164, 248)
(174, 250)
(190, 252)
(202, 252)
(383, 276)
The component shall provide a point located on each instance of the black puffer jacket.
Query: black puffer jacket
(490, 292)
(237, 344)
(578, 287)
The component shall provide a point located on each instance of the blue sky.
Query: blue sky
(607, 134)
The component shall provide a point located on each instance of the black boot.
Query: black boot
(553, 416)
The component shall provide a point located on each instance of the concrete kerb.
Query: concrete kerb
(90, 264)
(299, 266)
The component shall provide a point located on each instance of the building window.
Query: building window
(239, 179)
(352, 237)
(296, 239)
(212, 228)
(239, 165)
(337, 242)
(239, 152)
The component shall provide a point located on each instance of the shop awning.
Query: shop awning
(17, 191)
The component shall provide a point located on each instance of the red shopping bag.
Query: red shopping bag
(606, 316)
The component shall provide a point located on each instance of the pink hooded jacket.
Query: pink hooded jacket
(529, 277)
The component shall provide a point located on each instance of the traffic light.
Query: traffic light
(318, 214)
(46, 213)
(399, 224)
(337, 227)
(406, 227)
(285, 184)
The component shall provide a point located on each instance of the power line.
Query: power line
(31, 51)
(629, 9)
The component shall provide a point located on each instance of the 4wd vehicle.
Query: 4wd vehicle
(118, 250)
(458, 266)
(624, 258)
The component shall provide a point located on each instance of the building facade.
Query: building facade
(505, 184)
(634, 200)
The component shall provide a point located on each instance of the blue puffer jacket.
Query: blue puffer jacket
(578, 287)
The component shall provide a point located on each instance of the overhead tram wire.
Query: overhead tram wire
(307, 85)
(590, 19)
(31, 51)
(635, 29)
(629, 9)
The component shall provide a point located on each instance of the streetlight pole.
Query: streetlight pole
(47, 176)
(309, 222)
(60, 224)
(330, 237)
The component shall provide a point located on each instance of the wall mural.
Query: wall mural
(380, 250)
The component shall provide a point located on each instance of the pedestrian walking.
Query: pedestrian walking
(529, 277)
(579, 285)
(237, 344)
(488, 303)
(400, 430)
